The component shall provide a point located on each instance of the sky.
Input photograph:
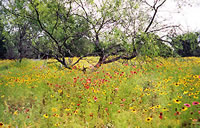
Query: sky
(188, 16)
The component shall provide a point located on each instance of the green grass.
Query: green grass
(139, 93)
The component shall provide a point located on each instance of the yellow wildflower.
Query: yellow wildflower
(54, 110)
(15, 113)
(67, 109)
(176, 101)
(59, 91)
(184, 108)
(45, 116)
(149, 119)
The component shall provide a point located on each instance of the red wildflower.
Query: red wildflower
(161, 115)
(177, 113)
(95, 98)
(123, 100)
(87, 87)
(91, 114)
(195, 103)
(133, 72)
(187, 105)
(88, 80)
(75, 79)
(116, 89)
(27, 110)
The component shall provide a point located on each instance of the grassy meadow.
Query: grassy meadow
(156, 93)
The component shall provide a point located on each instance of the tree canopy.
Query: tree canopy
(109, 29)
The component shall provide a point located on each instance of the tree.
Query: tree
(17, 31)
(186, 44)
(54, 31)
(2, 42)
(109, 29)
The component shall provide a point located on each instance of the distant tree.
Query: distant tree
(2, 42)
(186, 44)
(152, 45)
(17, 31)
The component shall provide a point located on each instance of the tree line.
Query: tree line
(109, 29)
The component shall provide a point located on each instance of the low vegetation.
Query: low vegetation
(153, 93)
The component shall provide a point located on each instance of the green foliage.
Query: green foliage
(2, 42)
(150, 45)
(186, 44)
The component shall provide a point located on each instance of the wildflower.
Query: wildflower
(1, 124)
(177, 101)
(187, 105)
(2, 96)
(165, 109)
(195, 103)
(196, 97)
(91, 114)
(15, 113)
(180, 97)
(57, 124)
(191, 88)
(123, 100)
(185, 92)
(169, 104)
(116, 89)
(27, 110)
(134, 110)
(149, 119)
(67, 109)
(122, 105)
(95, 98)
(87, 87)
(194, 120)
(148, 94)
(145, 110)
(59, 91)
(184, 108)
(177, 113)
(130, 108)
(199, 112)
(52, 96)
(158, 106)
(151, 108)
(161, 115)
(56, 115)
(76, 112)
(54, 109)
(45, 116)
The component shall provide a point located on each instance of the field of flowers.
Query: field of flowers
(156, 93)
